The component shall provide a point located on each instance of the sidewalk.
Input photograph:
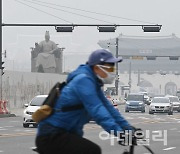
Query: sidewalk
(13, 113)
(17, 111)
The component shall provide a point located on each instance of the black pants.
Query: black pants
(66, 143)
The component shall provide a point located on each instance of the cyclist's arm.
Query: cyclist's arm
(116, 114)
(87, 92)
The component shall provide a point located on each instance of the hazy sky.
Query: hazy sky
(18, 40)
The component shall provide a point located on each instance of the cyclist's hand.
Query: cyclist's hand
(130, 137)
(121, 140)
(138, 133)
(126, 138)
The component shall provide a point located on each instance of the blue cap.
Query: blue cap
(102, 56)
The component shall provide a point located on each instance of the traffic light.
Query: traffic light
(174, 58)
(64, 29)
(107, 29)
(151, 28)
(2, 68)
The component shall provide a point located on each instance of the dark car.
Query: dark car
(135, 102)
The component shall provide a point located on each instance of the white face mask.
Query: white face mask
(110, 76)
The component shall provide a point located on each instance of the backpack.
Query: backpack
(47, 107)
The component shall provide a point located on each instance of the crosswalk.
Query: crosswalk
(158, 117)
(144, 118)
(134, 118)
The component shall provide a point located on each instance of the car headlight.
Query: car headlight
(167, 106)
(152, 106)
(28, 112)
(140, 103)
(127, 103)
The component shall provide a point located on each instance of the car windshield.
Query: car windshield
(160, 100)
(135, 98)
(174, 99)
(37, 101)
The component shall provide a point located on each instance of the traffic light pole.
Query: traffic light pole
(64, 27)
(130, 80)
(117, 80)
(1, 84)
(1, 46)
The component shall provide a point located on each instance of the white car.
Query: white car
(175, 101)
(33, 105)
(161, 105)
(146, 98)
(115, 104)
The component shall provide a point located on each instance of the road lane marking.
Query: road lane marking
(148, 122)
(15, 121)
(17, 134)
(9, 126)
(167, 122)
(177, 119)
(155, 119)
(28, 130)
(95, 127)
(129, 118)
(18, 130)
(3, 129)
(143, 118)
(170, 148)
(24, 130)
(173, 129)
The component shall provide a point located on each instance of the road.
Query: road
(14, 139)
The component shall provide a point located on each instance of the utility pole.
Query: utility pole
(1, 46)
(117, 80)
(138, 82)
(130, 80)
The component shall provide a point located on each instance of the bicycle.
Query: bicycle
(138, 137)
(130, 151)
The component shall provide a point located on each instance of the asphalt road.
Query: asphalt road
(162, 131)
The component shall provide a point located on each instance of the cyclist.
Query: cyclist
(62, 132)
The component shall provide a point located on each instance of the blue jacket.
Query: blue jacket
(84, 87)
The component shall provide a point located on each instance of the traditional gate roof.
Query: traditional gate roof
(139, 45)
(137, 49)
